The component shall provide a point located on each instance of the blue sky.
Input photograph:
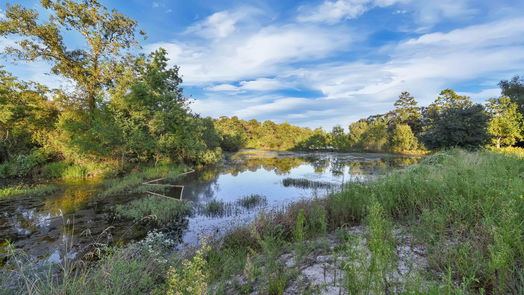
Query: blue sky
(323, 63)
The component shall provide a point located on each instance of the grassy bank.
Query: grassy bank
(464, 209)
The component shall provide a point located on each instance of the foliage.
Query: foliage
(505, 125)
(407, 112)
(514, 89)
(402, 139)
(22, 165)
(252, 201)
(236, 134)
(155, 119)
(136, 269)
(106, 33)
(154, 209)
(25, 116)
(464, 126)
(469, 197)
(132, 183)
(192, 278)
(339, 140)
(356, 133)
(21, 190)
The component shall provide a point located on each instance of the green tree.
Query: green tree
(356, 133)
(407, 112)
(154, 117)
(339, 139)
(459, 126)
(106, 33)
(514, 89)
(376, 136)
(26, 116)
(450, 99)
(402, 139)
(505, 125)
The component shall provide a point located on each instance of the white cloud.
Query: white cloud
(223, 87)
(334, 11)
(424, 66)
(429, 13)
(221, 24)
(250, 55)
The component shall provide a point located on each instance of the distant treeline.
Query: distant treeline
(452, 120)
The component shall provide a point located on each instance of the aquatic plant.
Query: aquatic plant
(153, 209)
(306, 183)
(216, 208)
(24, 190)
(133, 183)
(252, 201)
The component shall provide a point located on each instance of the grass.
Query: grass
(24, 190)
(132, 183)
(306, 183)
(465, 208)
(252, 201)
(158, 210)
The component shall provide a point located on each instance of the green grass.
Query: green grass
(24, 190)
(252, 201)
(306, 183)
(158, 210)
(465, 208)
(132, 183)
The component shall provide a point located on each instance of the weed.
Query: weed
(252, 201)
(22, 190)
(154, 209)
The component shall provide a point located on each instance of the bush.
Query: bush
(192, 277)
(22, 165)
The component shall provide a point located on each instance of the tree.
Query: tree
(26, 116)
(154, 117)
(514, 89)
(450, 99)
(339, 140)
(402, 139)
(459, 126)
(106, 33)
(356, 132)
(505, 125)
(407, 112)
(376, 136)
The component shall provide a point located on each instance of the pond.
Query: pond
(75, 218)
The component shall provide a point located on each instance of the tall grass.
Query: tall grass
(468, 208)
(132, 183)
(24, 190)
(153, 209)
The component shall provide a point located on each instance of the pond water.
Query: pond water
(75, 218)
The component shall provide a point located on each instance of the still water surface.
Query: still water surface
(74, 217)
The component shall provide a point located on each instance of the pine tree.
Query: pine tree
(407, 112)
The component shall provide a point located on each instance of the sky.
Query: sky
(323, 63)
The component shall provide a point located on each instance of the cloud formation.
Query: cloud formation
(329, 62)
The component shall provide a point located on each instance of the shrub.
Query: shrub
(192, 277)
